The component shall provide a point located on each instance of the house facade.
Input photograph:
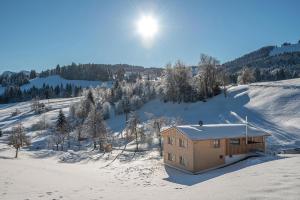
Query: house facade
(196, 148)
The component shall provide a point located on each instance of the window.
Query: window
(221, 156)
(182, 143)
(235, 141)
(171, 140)
(182, 161)
(216, 143)
(171, 157)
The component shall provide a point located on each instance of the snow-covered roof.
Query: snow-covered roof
(219, 131)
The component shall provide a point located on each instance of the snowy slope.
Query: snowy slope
(273, 106)
(285, 49)
(34, 177)
(57, 80)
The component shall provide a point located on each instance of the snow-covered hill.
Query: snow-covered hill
(273, 106)
(57, 80)
(285, 49)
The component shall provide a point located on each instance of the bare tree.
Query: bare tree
(208, 72)
(132, 123)
(126, 107)
(157, 125)
(18, 138)
(246, 76)
(96, 127)
(224, 79)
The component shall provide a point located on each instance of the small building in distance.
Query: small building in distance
(198, 148)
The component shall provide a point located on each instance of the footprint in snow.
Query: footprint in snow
(178, 188)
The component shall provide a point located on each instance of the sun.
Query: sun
(147, 27)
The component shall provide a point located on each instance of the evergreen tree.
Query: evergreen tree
(32, 74)
(90, 97)
(61, 128)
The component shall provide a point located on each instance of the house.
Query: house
(198, 148)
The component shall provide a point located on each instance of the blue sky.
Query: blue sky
(38, 34)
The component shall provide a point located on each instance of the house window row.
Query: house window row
(181, 142)
(235, 141)
(216, 143)
(182, 161)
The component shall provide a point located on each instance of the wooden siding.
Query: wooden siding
(207, 156)
(201, 155)
(175, 149)
(254, 144)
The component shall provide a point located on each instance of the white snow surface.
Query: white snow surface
(46, 174)
(218, 131)
(32, 177)
(285, 49)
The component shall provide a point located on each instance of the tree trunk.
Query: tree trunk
(69, 142)
(160, 146)
(17, 151)
(95, 145)
(136, 140)
(101, 146)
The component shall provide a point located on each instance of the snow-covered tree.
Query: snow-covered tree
(157, 125)
(106, 109)
(90, 97)
(208, 74)
(61, 129)
(131, 126)
(246, 76)
(18, 138)
(96, 127)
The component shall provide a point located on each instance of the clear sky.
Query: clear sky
(38, 34)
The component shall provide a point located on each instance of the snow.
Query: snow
(218, 131)
(57, 80)
(29, 177)
(47, 174)
(234, 158)
(285, 49)
(272, 107)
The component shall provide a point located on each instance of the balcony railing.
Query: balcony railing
(245, 148)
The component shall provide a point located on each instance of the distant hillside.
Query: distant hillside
(287, 56)
(55, 80)
(95, 72)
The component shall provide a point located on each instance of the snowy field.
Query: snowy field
(46, 174)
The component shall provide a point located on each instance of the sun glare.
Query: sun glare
(147, 27)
